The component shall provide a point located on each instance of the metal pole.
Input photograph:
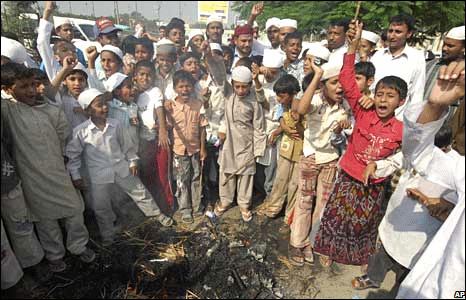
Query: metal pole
(136, 3)
(69, 2)
(93, 12)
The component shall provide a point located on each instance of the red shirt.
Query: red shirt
(371, 139)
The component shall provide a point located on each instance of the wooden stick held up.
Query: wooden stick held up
(357, 10)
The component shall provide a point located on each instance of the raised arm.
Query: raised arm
(43, 41)
(305, 105)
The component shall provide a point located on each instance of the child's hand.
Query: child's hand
(168, 105)
(353, 35)
(50, 5)
(369, 172)
(205, 48)
(294, 115)
(92, 53)
(255, 70)
(164, 140)
(222, 137)
(366, 102)
(273, 137)
(133, 170)
(438, 207)
(450, 84)
(78, 184)
(203, 155)
(257, 9)
(317, 71)
(69, 63)
(343, 124)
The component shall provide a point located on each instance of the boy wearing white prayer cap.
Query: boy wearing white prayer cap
(286, 26)
(243, 137)
(367, 45)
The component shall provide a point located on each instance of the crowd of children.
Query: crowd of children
(192, 127)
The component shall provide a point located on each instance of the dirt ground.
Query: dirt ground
(227, 258)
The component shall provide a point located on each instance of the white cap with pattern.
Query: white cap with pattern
(370, 36)
(117, 51)
(87, 96)
(289, 23)
(456, 33)
(331, 69)
(241, 74)
(114, 81)
(272, 22)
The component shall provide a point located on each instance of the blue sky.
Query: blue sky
(168, 9)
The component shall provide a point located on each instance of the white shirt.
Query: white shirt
(105, 152)
(68, 103)
(257, 49)
(336, 55)
(439, 272)
(147, 104)
(410, 66)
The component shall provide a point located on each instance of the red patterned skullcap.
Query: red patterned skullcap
(244, 30)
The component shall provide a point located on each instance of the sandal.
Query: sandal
(166, 221)
(295, 256)
(219, 210)
(246, 215)
(57, 265)
(308, 254)
(187, 219)
(325, 261)
(364, 282)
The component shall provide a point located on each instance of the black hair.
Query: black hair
(394, 82)
(384, 36)
(286, 84)
(11, 72)
(39, 74)
(293, 35)
(5, 59)
(307, 80)
(145, 42)
(174, 23)
(187, 56)
(244, 61)
(59, 43)
(365, 68)
(145, 64)
(341, 23)
(74, 71)
(128, 44)
(404, 19)
(444, 137)
(182, 75)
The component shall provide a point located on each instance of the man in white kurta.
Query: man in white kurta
(245, 140)
(439, 272)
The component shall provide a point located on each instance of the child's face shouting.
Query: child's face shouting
(98, 108)
(184, 89)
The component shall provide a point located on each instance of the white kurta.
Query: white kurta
(439, 272)
(39, 134)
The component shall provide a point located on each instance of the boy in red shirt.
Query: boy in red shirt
(348, 229)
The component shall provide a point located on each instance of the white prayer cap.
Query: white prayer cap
(330, 69)
(117, 51)
(214, 18)
(273, 58)
(456, 33)
(324, 43)
(254, 25)
(61, 21)
(288, 23)
(241, 74)
(195, 32)
(316, 49)
(14, 50)
(79, 66)
(87, 96)
(370, 36)
(114, 81)
(216, 46)
(272, 22)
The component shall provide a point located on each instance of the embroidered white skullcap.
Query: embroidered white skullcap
(216, 46)
(456, 33)
(370, 36)
(14, 50)
(254, 25)
(87, 96)
(273, 58)
(288, 23)
(331, 69)
(79, 66)
(241, 74)
(272, 22)
(316, 49)
(114, 81)
(61, 21)
(117, 51)
(195, 32)
(214, 18)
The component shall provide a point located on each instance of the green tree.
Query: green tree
(14, 20)
(432, 17)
